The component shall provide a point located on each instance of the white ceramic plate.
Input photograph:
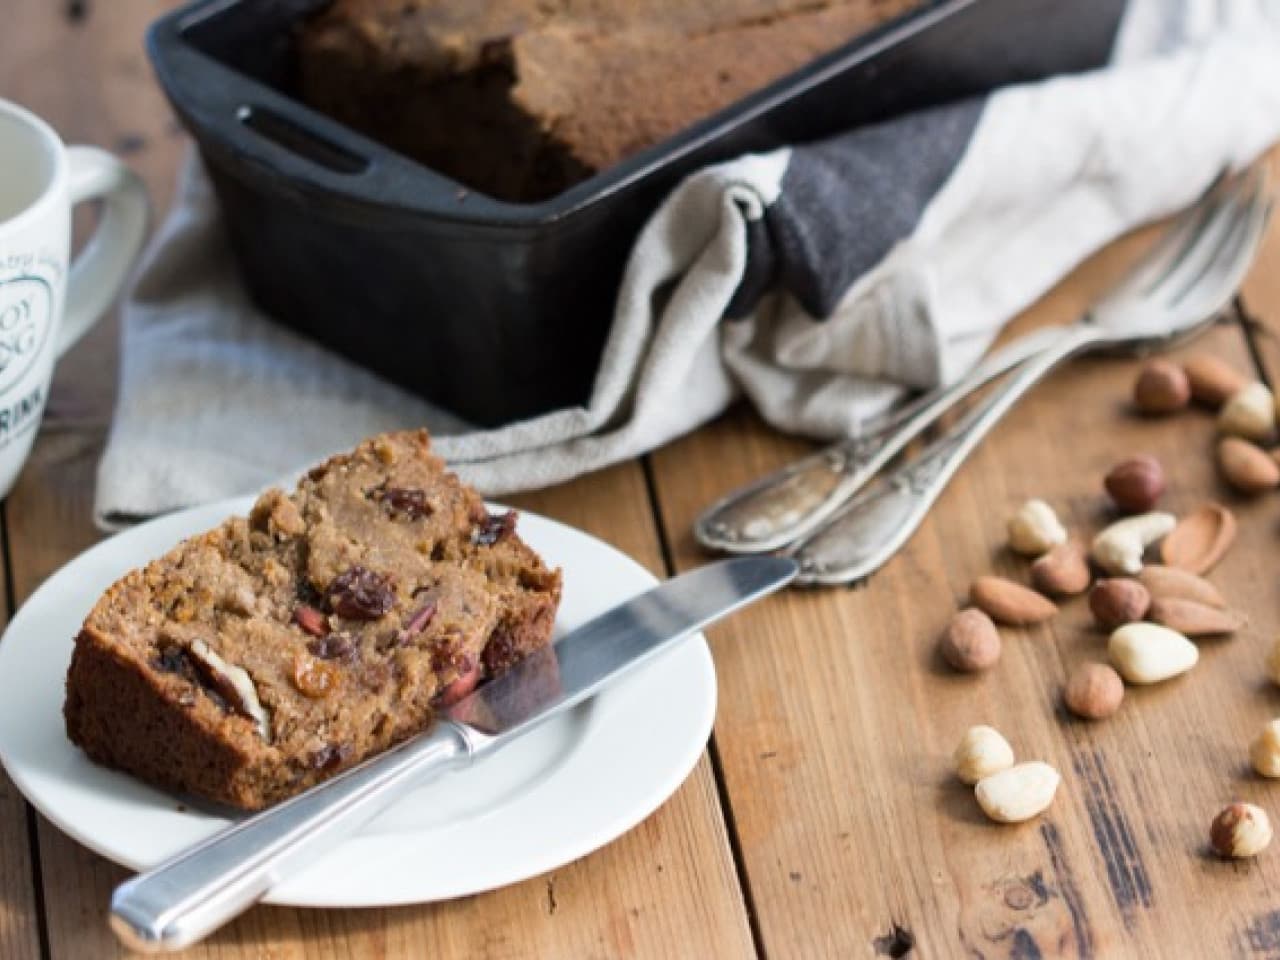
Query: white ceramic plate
(570, 787)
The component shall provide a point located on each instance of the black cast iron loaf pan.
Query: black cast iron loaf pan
(499, 311)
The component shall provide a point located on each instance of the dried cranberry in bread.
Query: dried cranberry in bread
(254, 660)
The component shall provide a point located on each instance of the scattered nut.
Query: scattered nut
(1094, 691)
(1161, 387)
(1018, 793)
(971, 642)
(1273, 662)
(1117, 602)
(1200, 539)
(1062, 572)
(1240, 830)
(1264, 754)
(233, 683)
(1009, 602)
(1213, 382)
(1034, 529)
(1192, 619)
(1246, 466)
(1136, 484)
(1250, 413)
(981, 752)
(1119, 547)
(1147, 653)
(1173, 583)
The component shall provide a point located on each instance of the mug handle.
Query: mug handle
(101, 268)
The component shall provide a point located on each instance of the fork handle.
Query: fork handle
(873, 526)
(792, 502)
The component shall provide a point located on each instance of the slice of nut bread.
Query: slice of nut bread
(254, 660)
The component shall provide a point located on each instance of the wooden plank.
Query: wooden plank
(837, 719)
(667, 887)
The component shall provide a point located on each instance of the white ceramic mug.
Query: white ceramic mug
(47, 301)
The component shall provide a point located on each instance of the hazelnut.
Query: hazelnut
(1264, 753)
(1035, 529)
(1116, 602)
(981, 752)
(1161, 387)
(1136, 484)
(971, 642)
(1094, 691)
(1240, 830)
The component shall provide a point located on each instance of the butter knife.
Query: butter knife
(188, 896)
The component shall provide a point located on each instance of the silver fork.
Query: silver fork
(1174, 295)
(789, 504)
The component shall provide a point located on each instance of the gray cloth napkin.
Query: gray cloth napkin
(821, 281)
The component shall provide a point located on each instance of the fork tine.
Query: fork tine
(1223, 272)
(1172, 243)
(1211, 244)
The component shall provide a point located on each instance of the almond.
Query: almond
(1062, 572)
(1094, 691)
(1246, 466)
(1212, 381)
(1192, 619)
(1116, 602)
(1136, 484)
(1172, 583)
(971, 642)
(1009, 602)
(1161, 387)
(1200, 539)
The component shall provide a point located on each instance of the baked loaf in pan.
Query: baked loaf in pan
(523, 98)
(254, 660)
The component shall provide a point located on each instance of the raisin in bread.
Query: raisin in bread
(254, 660)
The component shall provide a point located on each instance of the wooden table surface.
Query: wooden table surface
(823, 819)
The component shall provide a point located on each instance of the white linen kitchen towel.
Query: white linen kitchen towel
(822, 281)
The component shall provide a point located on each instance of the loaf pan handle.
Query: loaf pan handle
(270, 137)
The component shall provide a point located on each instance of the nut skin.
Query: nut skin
(1115, 602)
(1136, 485)
(1264, 753)
(1246, 466)
(1172, 583)
(1212, 381)
(1010, 603)
(1019, 793)
(1062, 572)
(1094, 691)
(971, 642)
(1035, 529)
(1193, 619)
(1240, 830)
(1249, 413)
(1161, 387)
(981, 752)
(1200, 539)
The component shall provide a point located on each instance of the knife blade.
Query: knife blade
(193, 893)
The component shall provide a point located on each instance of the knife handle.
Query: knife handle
(190, 895)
